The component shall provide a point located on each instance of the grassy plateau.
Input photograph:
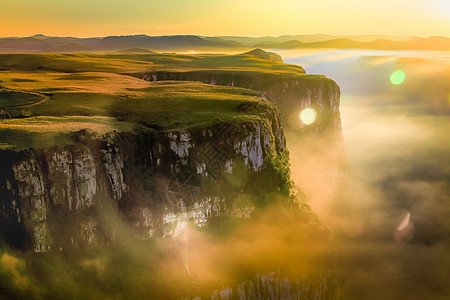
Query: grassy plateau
(44, 97)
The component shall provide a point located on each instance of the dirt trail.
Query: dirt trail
(43, 98)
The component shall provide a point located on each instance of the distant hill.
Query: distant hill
(69, 48)
(254, 41)
(40, 36)
(135, 50)
(164, 43)
(40, 43)
(285, 45)
(264, 55)
(308, 38)
(433, 43)
(225, 43)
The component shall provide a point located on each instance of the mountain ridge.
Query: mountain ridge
(41, 43)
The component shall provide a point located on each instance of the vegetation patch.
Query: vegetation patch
(138, 62)
(11, 99)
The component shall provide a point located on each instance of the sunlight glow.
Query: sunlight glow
(95, 18)
(308, 116)
(398, 77)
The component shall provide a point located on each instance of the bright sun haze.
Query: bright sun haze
(308, 116)
(252, 18)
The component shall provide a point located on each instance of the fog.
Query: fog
(383, 188)
(389, 210)
(194, 263)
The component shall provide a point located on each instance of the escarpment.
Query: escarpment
(292, 93)
(273, 286)
(157, 179)
(121, 163)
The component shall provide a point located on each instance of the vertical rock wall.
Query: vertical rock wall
(157, 180)
(290, 93)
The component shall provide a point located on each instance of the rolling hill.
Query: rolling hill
(191, 43)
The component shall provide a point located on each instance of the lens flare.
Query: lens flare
(405, 230)
(308, 116)
(398, 77)
(404, 223)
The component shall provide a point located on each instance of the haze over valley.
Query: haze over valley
(225, 150)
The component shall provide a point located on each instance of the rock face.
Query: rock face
(157, 180)
(291, 93)
(274, 286)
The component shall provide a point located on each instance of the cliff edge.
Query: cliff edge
(177, 176)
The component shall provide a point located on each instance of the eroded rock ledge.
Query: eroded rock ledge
(291, 93)
(158, 180)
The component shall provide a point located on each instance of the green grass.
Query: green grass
(11, 99)
(48, 124)
(48, 131)
(64, 93)
(62, 103)
(134, 63)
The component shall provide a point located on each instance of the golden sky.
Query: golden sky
(85, 18)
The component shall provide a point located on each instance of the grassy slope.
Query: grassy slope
(65, 93)
(132, 63)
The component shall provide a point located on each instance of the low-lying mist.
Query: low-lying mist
(290, 242)
(383, 188)
(389, 207)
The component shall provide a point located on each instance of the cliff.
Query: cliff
(157, 178)
(175, 179)
(291, 93)
(274, 286)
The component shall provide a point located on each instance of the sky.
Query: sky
(87, 18)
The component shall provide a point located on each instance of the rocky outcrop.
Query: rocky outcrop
(274, 286)
(291, 93)
(157, 180)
